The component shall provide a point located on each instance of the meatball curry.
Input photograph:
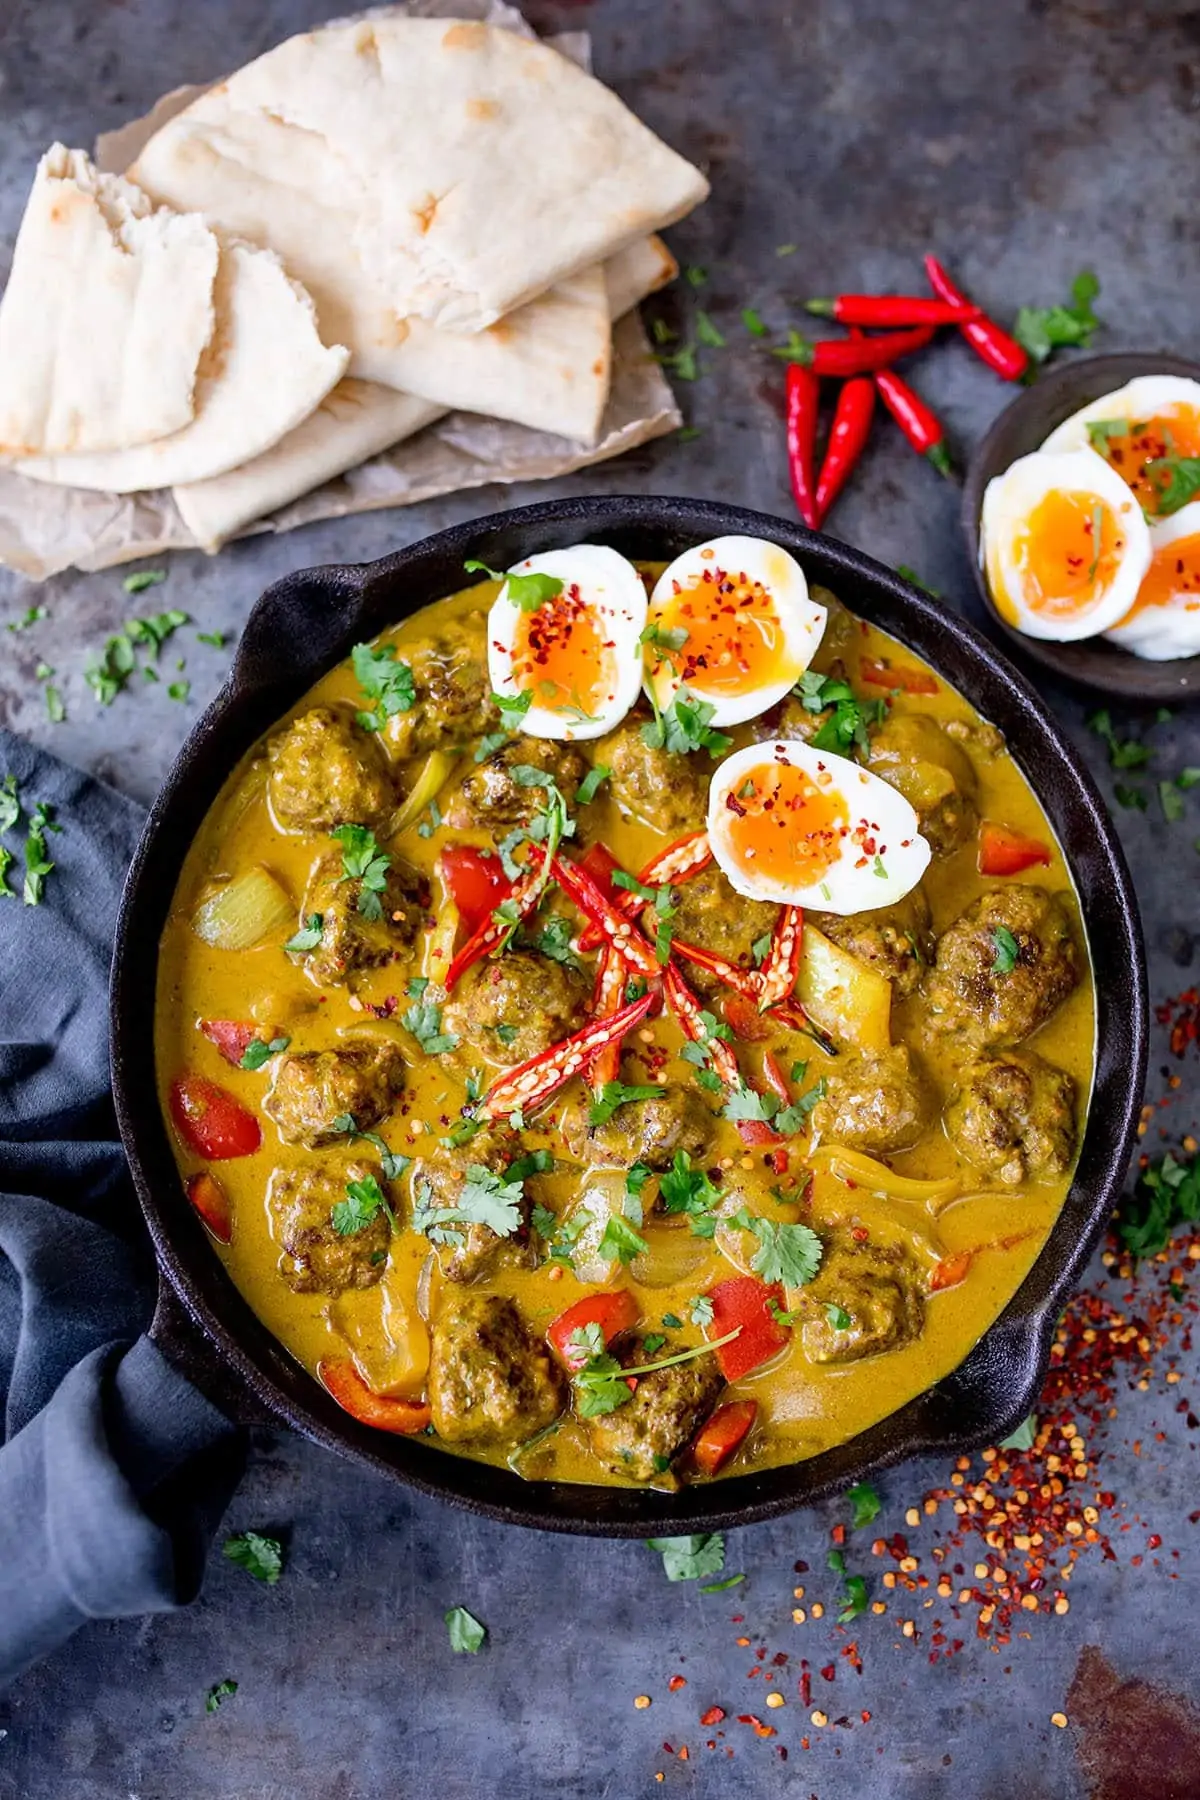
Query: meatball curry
(530, 1123)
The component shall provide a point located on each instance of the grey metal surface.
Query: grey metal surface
(1023, 141)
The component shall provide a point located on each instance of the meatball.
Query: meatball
(876, 1102)
(935, 775)
(492, 794)
(453, 691)
(985, 991)
(490, 1380)
(314, 1090)
(866, 1298)
(711, 915)
(349, 940)
(325, 772)
(651, 1430)
(645, 1131)
(316, 1258)
(508, 1008)
(896, 940)
(668, 793)
(1014, 1118)
(438, 1181)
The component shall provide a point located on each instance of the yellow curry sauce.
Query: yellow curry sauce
(804, 1405)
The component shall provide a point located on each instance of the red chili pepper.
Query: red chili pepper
(492, 933)
(678, 862)
(1005, 852)
(606, 1000)
(622, 933)
(857, 356)
(211, 1201)
(687, 1010)
(989, 341)
(533, 1081)
(742, 981)
(613, 1312)
(721, 1436)
(919, 423)
(779, 973)
(902, 676)
(847, 439)
(803, 400)
(384, 1412)
(891, 310)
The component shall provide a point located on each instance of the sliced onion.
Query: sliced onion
(425, 1286)
(675, 1255)
(388, 1342)
(244, 911)
(432, 777)
(864, 1172)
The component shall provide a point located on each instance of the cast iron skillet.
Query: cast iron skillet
(309, 621)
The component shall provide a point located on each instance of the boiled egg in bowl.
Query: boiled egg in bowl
(564, 641)
(1164, 620)
(1064, 545)
(1138, 430)
(732, 622)
(804, 827)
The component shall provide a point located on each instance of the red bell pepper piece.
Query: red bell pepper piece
(476, 881)
(991, 344)
(847, 436)
(384, 1412)
(722, 1435)
(613, 1312)
(778, 975)
(745, 1301)
(803, 401)
(903, 676)
(687, 1009)
(606, 1000)
(210, 1121)
(754, 1133)
(533, 1081)
(493, 931)
(624, 936)
(212, 1203)
(602, 865)
(856, 356)
(232, 1037)
(891, 310)
(1005, 852)
(919, 423)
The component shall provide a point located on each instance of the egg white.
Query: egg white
(1162, 633)
(882, 856)
(613, 593)
(801, 619)
(1144, 398)
(1007, 504)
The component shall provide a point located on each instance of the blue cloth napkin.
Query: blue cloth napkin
(114, 1469)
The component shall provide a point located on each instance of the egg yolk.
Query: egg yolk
(786, 826)
(563, 655)
(1068, 551)
(1174, 432)
(735, 639)
(1173, 576)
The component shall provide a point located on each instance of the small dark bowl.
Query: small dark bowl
(1023, 427)
(298, 630)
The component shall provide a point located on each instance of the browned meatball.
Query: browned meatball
(509, 1008)
(1014, 1117)
(498, 792)
(716, 918)
(876, 1102)
(651, 1430)
(1004, 967)
(325, 772)
(668, 793)
(453, 691)
(645, 1131)
(935, 775)
(438, 1181)
(315, 1257)
(314, 1089)
(490, 1380)
(866, 1298)
(349, 940)
(897, 940)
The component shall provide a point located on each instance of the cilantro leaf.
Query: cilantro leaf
(1166, 1194)
(512, 707)
(260, 1556)
(392, 1162)
(621, 1242)
(10, 803)
(1171, 801)
(855, 1599)
(223, 1690)
(1023, 1437)
(1176, 480)
(363, 1203)
(707, 332)
(484, 1199)
(839, 1318)
(424, 1020)
(466, 1632)
(614, 1094)
(684, 1189)
(309, 935)
(689, 1558)
(526, 592)
(685, 726)
(1007, 950)
(850, 718)
(665, 637)
(363, 861)
(37, 865)
(384, 679)
(865, 1505)
(554, 941)
(700, 1310)
(258, 1052)
(591, 784)
(141, 579)
(1042, 329)
(790, 1254)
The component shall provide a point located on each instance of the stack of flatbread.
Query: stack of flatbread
(271, 281)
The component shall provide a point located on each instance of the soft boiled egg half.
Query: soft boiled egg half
(731, 621)
(565, 630)
(1064, 545)
(1147, 422)
(1164, 620)
(803, 827)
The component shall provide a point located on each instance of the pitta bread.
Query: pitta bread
(473, 168)
(107, 311)
(264, 370)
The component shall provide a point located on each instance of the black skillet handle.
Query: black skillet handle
(187, 1348)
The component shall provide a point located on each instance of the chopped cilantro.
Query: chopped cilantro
(386, 681)
(1176, 481)
(653, 1342)
(1007, 950)
(695, 276)
(621, 1241)
(1171, 801)
(1166, 1194)
(466, 1632)
(707, 332)
(37, 866)
(591, 784)
(839, 1318)
(1042, 329)
(700, 1310)
(752, 320)
(424, 1020)
(688, 1558)
(681, 362)
(1130, 797)
(484, 1199)
(1123, 753)
(216, 639)
(787, 1253)
(911, 576)
(669, 638)
(760, 949)
(30, 616)
(224, 1690)
(308, 936)
(363, 1203)
(685, 726)
(865, 1505)
(602, 1383)
(489, 743)
(854, 1601)
(258, 1053)
(391, 1161)
(636, 1177)
(850, 718)
(141, 579)
(526, 592)
(10, 804)
(1023, 1437)
(616, 1093)
(672, 1322)
(686, 1190)
(179, 690)
(54, 705)
(363, 861)
(260, 1556)
(153, 633)
(512, 707)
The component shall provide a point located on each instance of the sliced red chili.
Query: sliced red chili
(535, 1080)
(687, 1009)
(848, 434)
(606, 1000)
(774, 1077)
(524, 896)
(678, 862)
(624, 936)
(779, 973)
